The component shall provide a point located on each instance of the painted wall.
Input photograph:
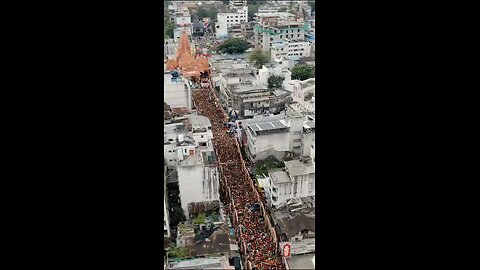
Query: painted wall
(197, 184)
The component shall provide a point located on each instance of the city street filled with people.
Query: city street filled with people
(260, 244)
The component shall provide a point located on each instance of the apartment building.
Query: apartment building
(289, 133)
(188, 149)
(241, 89)
(296, 180)
(183, 23)
(277, 27)
(177, 90)
(242, 30)
(238, 3)
(228, 19)
(292, 48)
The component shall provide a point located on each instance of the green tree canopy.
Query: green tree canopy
(233, 45)
(178, 252)
(252, 9)
(176, 215)
(303, 72)
(168, 29)
(275, 81)
(206, 12)
(258, 58)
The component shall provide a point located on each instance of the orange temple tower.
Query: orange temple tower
(186, 62)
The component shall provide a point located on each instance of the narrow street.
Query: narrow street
(255, 234)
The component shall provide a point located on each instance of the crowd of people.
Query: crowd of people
(260, 246)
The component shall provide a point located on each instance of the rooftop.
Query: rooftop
(191, 160)
(296, 168)
(276, 14)
(201, 263)
(263, 118)
(245, 87)
(303, 261)
(279, 176)
(199, 121)
(295, 206)
(291, 226)
(309, 124)
(268, 125)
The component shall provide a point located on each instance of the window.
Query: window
(171, 160)
(281, 36)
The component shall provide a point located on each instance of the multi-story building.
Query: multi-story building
(242, 30)
(289, 133)
(310, 37)
(188, 149)
(228, 19)
(238, 3)
(267, 8)
(241, 89)
(183, 23)
(276, 27)
(177, 90)
(292, 48)
(279, 67)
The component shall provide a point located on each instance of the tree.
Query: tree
(252, 9)
(233, 45)
(282, 9)
(176, 215)
(178, 252)
(258, 58)
(168, 28)
(302, 72)
(209, 12)
(275, 81)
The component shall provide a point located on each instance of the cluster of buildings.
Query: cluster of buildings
(191, 165)
(274, 121)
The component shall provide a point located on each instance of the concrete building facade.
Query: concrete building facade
(188, 148)
(241, 88)
(293, 48)
(297, 180)
(277, 27)
(289, 133)
(177, 90)
(229, 19)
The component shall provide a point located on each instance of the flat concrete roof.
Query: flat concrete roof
(199, 121)
(279, 177)
(295, 168)
(303, 261)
